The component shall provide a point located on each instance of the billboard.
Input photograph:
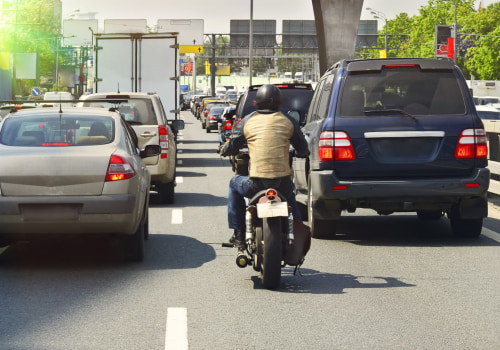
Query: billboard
(299, 37)
(78, 32)
(264, 37)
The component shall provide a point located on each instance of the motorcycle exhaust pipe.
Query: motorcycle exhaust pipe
(242, 260)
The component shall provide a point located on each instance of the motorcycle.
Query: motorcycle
(273, 238)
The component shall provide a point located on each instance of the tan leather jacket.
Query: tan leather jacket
(268, 135)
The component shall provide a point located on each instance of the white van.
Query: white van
(288, 76)
(58, 96)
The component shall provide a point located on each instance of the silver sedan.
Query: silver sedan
(73, 172)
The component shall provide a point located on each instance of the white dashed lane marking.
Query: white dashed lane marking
(176, 216)
(176, 332)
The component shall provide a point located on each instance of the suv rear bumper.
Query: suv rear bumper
(400, 195)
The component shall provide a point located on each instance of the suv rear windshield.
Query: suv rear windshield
(293, 99)
(140, 111)
(402, 90)
(57, 130)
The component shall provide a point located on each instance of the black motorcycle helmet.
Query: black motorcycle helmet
(268, 97)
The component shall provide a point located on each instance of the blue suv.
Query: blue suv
(394, 135)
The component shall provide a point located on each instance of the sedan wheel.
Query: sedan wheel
(134, 245)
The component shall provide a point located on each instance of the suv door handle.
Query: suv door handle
(148, 134)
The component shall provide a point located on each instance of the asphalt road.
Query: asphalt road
(390, 282)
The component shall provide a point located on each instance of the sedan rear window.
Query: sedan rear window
(139, 111)
(404, 90)
(57, 131)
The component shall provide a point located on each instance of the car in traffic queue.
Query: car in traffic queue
(295, 97)
(203, 102)
(73, 172)
(214, 118)
(394, 135)
(145, 113)
(195, 103)
(206, 112)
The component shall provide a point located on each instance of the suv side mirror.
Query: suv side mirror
(178, 125)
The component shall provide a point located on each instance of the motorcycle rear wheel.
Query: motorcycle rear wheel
(270, 272)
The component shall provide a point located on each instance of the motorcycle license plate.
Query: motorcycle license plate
(272, 209)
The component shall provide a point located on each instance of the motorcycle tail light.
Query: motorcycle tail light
(271, 194)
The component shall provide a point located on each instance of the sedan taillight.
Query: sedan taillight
(472, 144)
(163, 132)
(119, 169)
(335, 145)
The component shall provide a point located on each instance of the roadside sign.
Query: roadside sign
(191, 49)
(36, 92)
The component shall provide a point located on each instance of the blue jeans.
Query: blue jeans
(242, 186)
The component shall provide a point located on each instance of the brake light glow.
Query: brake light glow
(335, 145)
(400, 65)
(163, 132)
(119, 169)
(56, 144)
(271, 194)
(472, 144)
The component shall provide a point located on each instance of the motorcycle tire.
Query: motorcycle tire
(271, 260)
(259, 244)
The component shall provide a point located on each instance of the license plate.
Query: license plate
(272, 209)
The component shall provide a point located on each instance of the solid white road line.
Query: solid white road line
(176, 216)
(176, 333)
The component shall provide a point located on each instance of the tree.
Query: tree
(482, 43)
(32, 26)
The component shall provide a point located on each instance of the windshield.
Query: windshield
(138, 110)
(409, 90)
(56, 130)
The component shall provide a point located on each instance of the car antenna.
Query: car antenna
(60, 104)
(118, 88)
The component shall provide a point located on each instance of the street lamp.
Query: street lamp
(380, 15)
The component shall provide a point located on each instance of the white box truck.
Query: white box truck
(139, 62)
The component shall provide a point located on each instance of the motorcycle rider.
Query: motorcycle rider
(268, 133)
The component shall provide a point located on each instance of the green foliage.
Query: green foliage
(478, 43)
(31, 26)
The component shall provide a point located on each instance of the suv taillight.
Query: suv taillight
(163, 132)
(335, 145)
(119, 169)
(472, 144)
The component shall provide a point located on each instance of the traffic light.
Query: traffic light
(443, 34)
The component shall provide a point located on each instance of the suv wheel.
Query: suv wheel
(466, 228)
(166, 192)
(319, 228)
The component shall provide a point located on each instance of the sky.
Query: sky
(216, 14)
